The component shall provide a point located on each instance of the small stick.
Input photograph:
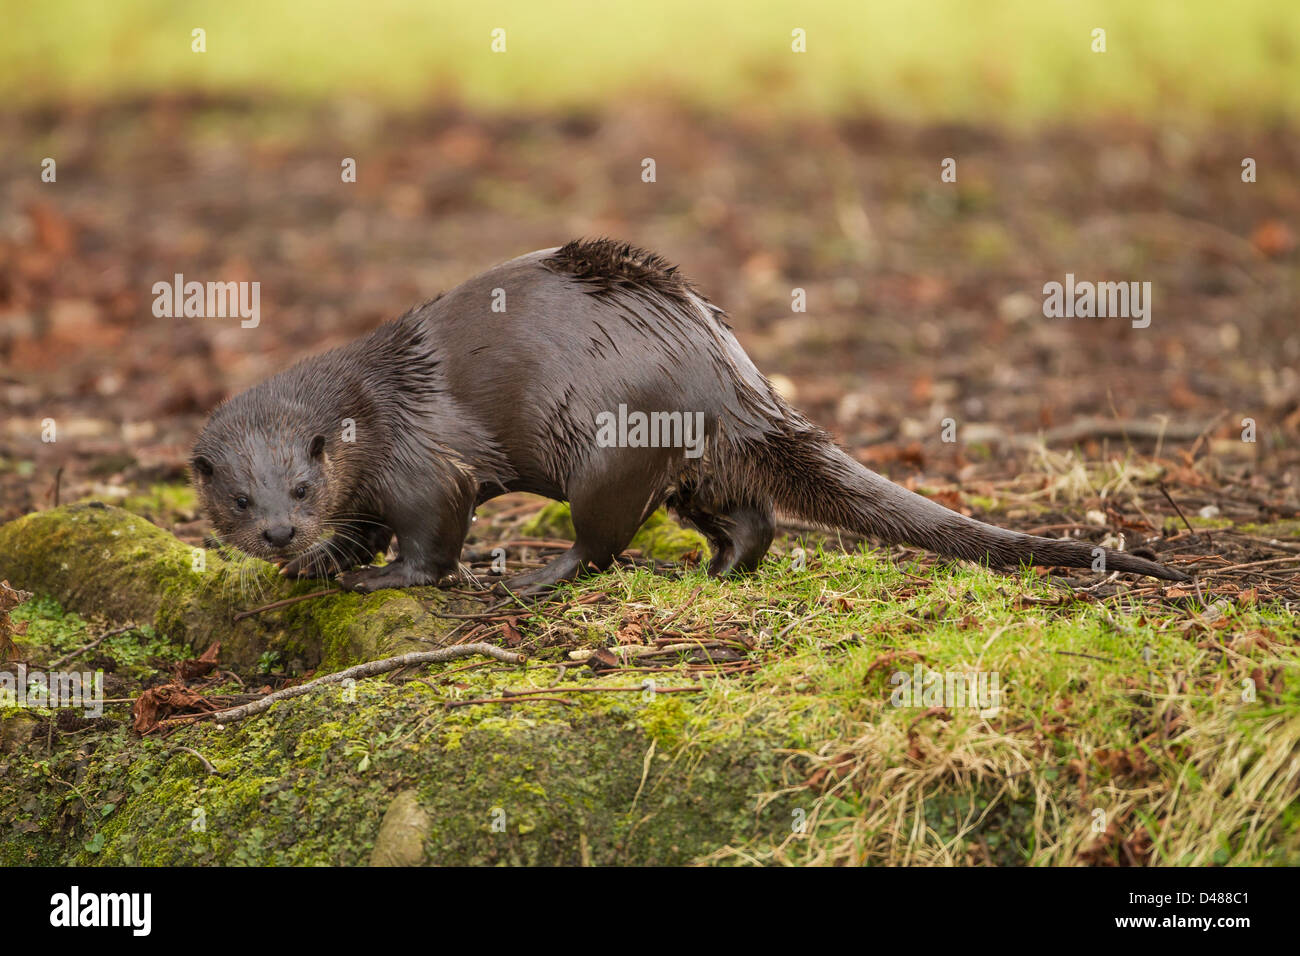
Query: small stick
(285, 603)
(1095, 657)
(532, 543)
(803, 620)
(369, 669)
(202, 759)
(505, 700)
(695, 689)
(1191, 455)
(489, 614)
(678, 613)
(1255, 564)
(646, 650)
(92, 645)
(473, 633)
(1092, 587)
(58, 480)
(1169, 498)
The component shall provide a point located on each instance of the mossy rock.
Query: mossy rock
(100, 560)
(389, 775)
(393, 777)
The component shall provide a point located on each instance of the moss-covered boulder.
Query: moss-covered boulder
(392, 776)
(101, 560)
(372, 773)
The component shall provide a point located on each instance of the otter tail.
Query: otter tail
(810, 477)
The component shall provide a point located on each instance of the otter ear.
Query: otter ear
(317, 447)
(202, 467)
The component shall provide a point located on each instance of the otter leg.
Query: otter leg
(429, 540)
(353, 542)
(604, 519)
(738, 535)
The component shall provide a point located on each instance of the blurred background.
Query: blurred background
(775, 170)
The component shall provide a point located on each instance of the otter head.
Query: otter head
(265, 491)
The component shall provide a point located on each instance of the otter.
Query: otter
(513, 381)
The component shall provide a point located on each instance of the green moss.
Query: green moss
(1283, 529)
(163, 501)
(553, 521)
(1212, 523)
(308, 783)
(108, 562)
(660, 537)
(663, 539)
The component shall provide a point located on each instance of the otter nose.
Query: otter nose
(280, 535)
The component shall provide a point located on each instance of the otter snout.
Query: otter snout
(279, 535)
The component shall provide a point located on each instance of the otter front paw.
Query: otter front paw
(394, 575)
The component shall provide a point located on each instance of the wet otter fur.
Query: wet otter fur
(404, 431)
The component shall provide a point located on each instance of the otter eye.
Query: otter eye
(300, 491)
(241, 502)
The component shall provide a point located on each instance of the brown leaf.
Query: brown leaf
(839, 768)
(53, 231)
(1136, 850)
(1079, 767)
(884, 660)
(1273, 238)
(10, 598)
(1254, 640)
(1098, 853)
(1130, 762)
(1267, 684)
(197, 667)
(602, 660)
(164, 701)
(631, 632)
(510, 631)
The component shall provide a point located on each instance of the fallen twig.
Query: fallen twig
(1095, 657)
(1169, 498)
(202, 759)
(639, 688)
(369, 669)
(58, 662)
(494, 611)
(506, 700)
(533, 543)
(285, 603)
(678, 613)
(1255, 564)
(648, 650)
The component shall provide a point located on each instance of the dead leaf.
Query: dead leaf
(198, 667)
(10, 598)
(159, 702)
(510, 631)
(602, 660)
(1273, 238)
